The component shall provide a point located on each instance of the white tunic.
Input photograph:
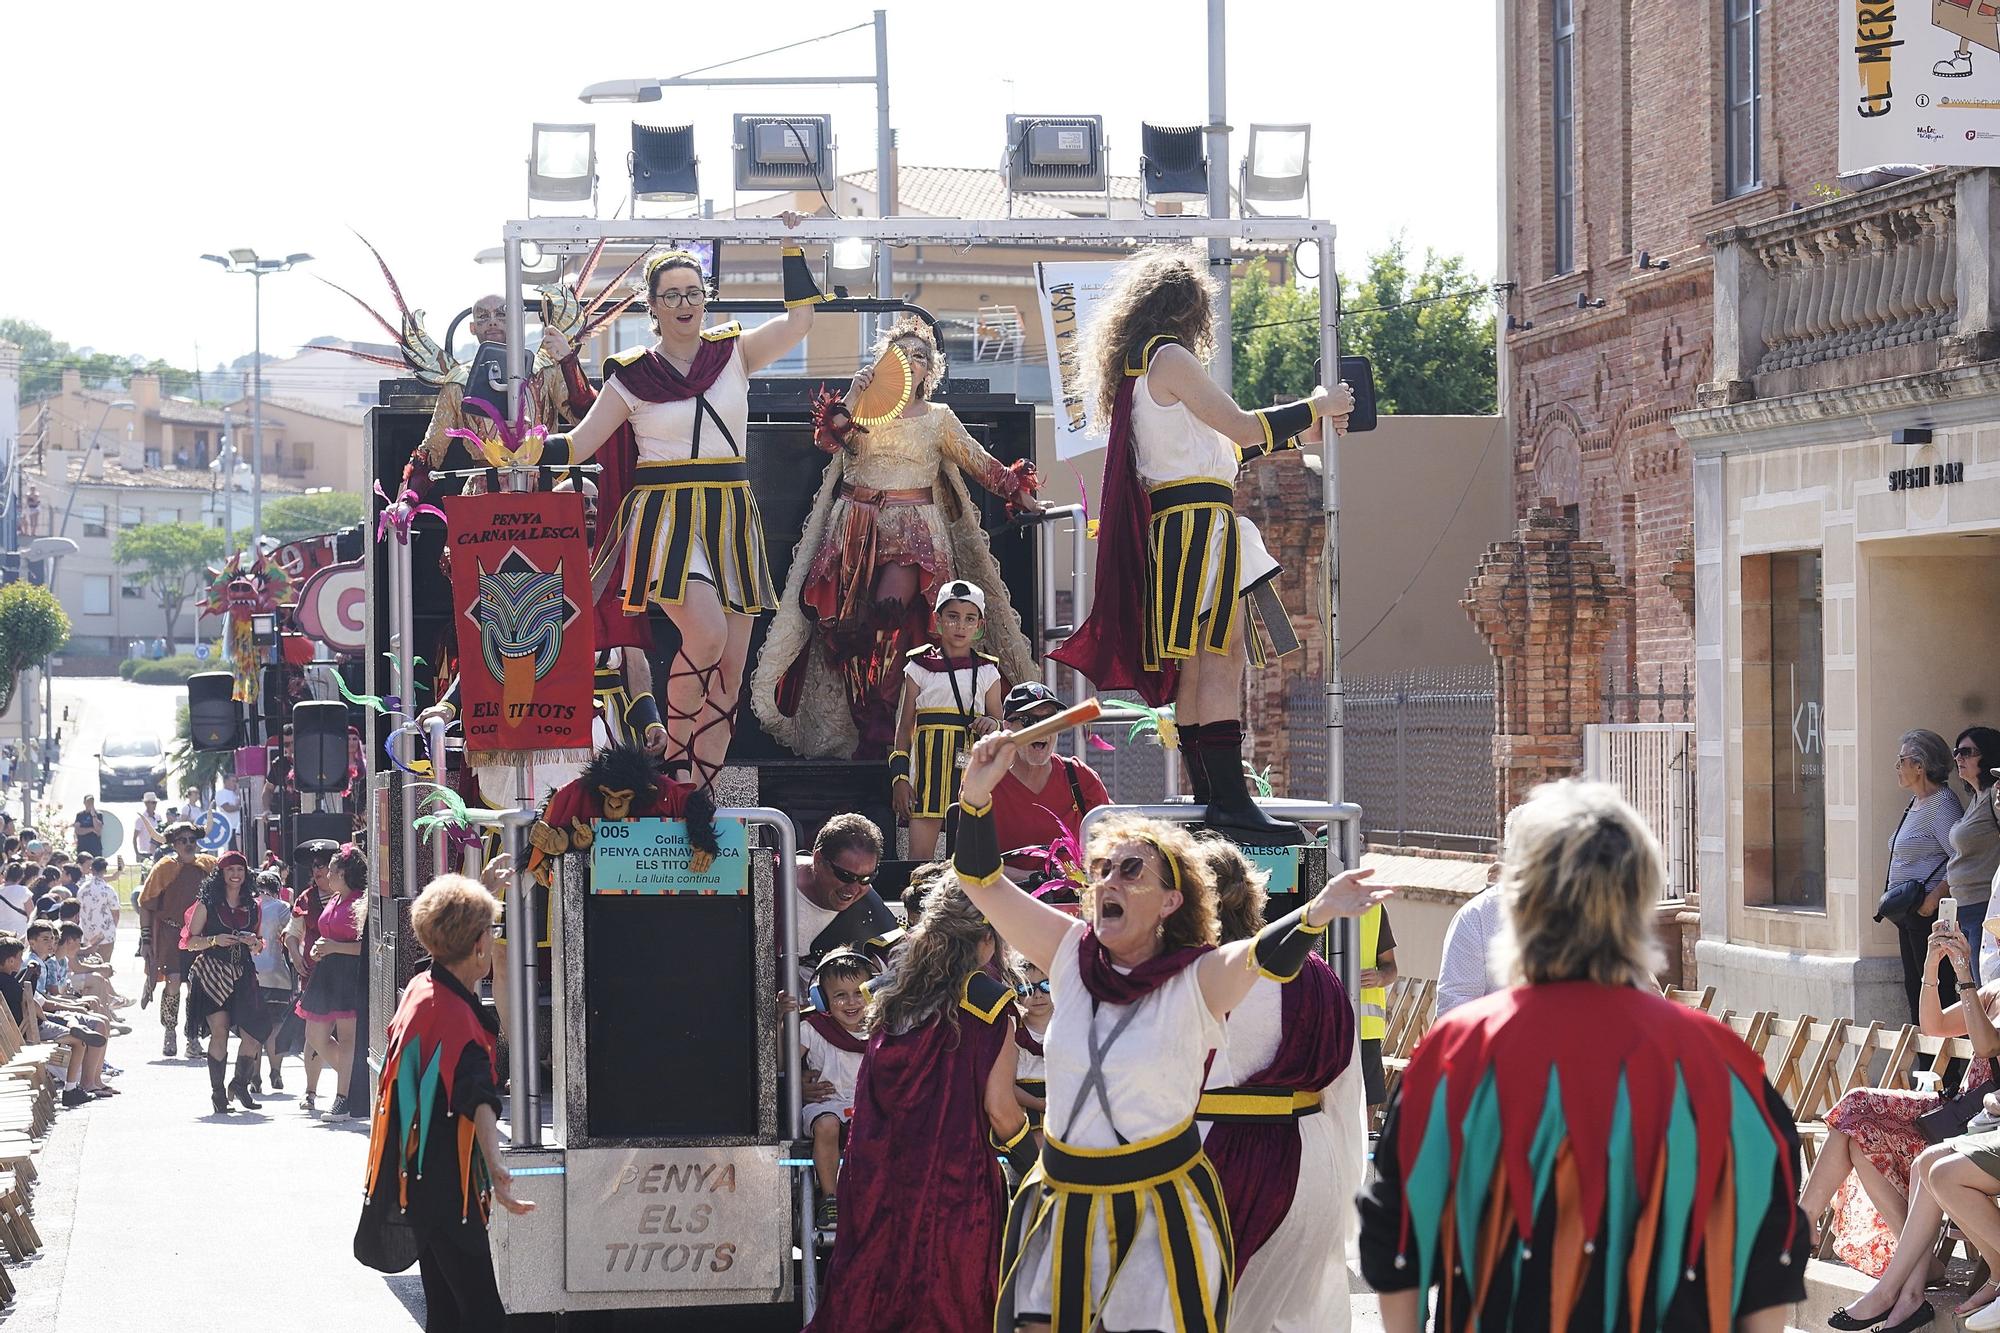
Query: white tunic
(1297, 1280)
(1029, 1065)
(1170, 444)
(665, 431)
(934, 688)
(1153, 1076)
(838, 1067)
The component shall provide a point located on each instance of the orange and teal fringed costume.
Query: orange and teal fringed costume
(1582, 1157)
(426, 1180)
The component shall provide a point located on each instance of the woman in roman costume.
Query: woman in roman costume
(1122, 1225)
(1183, 580)
(1283, 1120)
(894, 521)
(683, 531)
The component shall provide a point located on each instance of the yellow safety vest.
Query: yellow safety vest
(1372, 1008)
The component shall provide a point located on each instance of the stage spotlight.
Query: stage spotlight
(1277, 169)
(1055, 154)
(851, 254)
(783, 152)
(663, 163)
(1173, 169)
(562, 164)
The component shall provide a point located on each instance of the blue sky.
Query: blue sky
(140, 137)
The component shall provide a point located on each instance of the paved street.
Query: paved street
(151, 1204)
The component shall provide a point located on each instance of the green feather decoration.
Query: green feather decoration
(1621, 1202)
(1756, 1156)
(1676, 1200)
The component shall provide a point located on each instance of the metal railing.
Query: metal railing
(1652, 763)
(1420, 755)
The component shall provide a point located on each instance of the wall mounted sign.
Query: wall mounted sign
(651, 856)
(1916, 478)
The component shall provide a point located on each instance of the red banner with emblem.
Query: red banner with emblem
(520, 591)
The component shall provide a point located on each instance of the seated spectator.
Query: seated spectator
(17, 905)
(1958, 1178)
(837, 903)
(83, 1076)
(1873, 1137)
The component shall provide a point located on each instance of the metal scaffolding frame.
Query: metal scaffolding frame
(559, 234)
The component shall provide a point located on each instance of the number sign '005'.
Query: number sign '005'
(651, 856)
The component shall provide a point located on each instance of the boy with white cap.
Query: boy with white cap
(951, 697)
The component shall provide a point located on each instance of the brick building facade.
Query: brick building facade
(1629, 132)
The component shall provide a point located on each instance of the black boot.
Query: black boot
(1197, 776)
(218, 1094)
(1231, 811)
(239, 1088)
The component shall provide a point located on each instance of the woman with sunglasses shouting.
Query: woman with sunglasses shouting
(171, 889)
(678, 527)
(1122, 1221)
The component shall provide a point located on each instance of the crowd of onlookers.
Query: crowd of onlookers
(58, 925)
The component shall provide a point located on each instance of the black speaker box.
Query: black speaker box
(214, 720)
(319, 746)
(275, 697)
(671, 989)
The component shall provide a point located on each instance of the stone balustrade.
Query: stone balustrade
(1901, 275)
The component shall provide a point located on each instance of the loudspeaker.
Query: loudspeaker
(319, 746)
(214, 720)
(275, 691)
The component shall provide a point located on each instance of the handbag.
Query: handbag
(1954, 1116)
(1901, 899)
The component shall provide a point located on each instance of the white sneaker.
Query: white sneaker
(1958, 67)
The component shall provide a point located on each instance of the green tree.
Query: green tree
(1430, 355)
(167, 559)
(294, 516)
(44, 357)
(33, 626)
(1432, 348)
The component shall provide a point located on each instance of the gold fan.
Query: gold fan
(888, 393)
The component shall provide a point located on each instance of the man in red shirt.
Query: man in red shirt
(1044, 795)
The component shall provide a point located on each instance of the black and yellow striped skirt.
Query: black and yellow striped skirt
(692, 518)
(1141, 1226)
(1195, 558)
(613, 699)
(942, 734)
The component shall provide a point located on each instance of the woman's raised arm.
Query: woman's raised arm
(1035, 929)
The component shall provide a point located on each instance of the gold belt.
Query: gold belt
(916, 495)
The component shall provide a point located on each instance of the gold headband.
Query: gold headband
(678, 259)
(1173, 866)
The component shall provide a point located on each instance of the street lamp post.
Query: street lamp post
(246, 261)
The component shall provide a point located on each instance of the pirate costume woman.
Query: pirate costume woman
(1179, 571)
(222, 979)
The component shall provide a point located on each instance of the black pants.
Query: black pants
(1913, 937)
(459, 1290)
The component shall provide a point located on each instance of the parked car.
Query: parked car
(131, 764)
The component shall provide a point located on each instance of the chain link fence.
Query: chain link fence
(1419, 754)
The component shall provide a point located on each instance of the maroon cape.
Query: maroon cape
(1259, 1163)
(921, 1200)
(649, 376)
(1109, 647)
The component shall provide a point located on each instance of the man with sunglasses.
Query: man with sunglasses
(837, 903)
(171, 888)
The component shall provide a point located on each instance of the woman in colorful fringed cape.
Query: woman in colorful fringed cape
(1284, 1122)
(1580, 1152)
(1121, 1224)
(434, 1153)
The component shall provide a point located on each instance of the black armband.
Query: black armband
(643, 713)
(1018, 1150)
(977, 856)
(800, 289)
(1282, 427)
(1280, 948)
(899, 767)
(555, 449)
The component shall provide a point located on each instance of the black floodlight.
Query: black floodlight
(663, 163)
(1173, 169)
